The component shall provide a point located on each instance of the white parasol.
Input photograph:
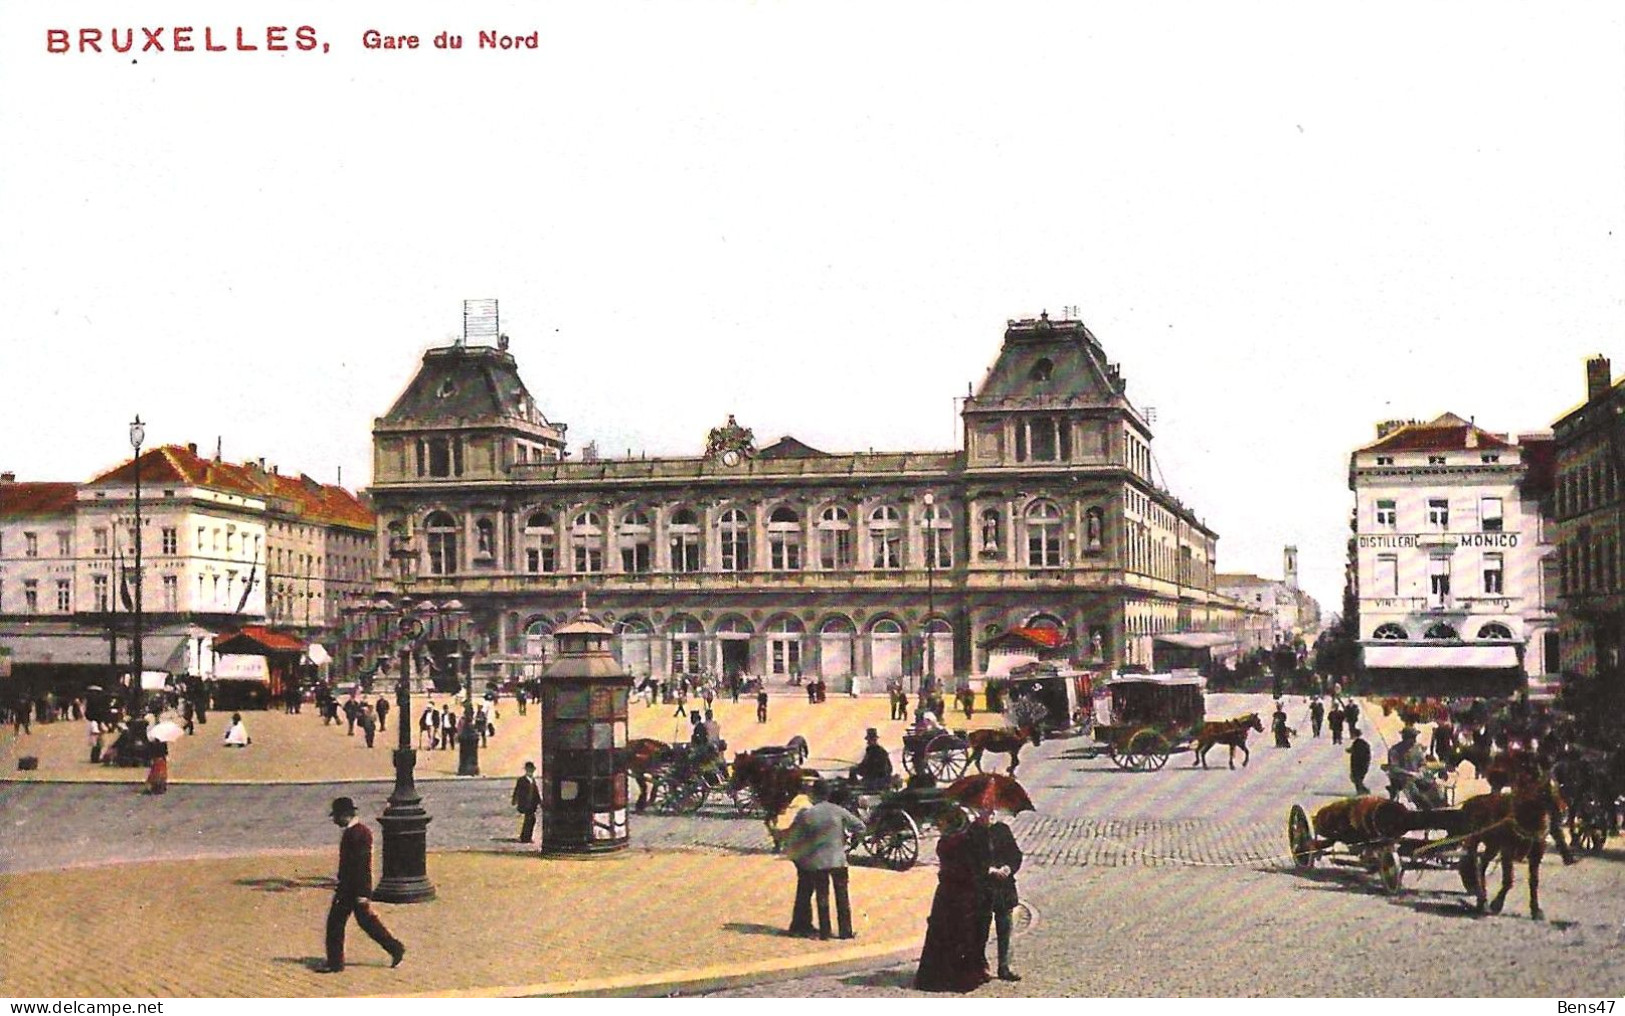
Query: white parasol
(166, 731)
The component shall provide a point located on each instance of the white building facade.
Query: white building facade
(1451, 551)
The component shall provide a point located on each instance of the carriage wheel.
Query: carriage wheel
(1299, 838)
(1390, 869)
(946, 758)
(745, 801)
(908, 760)
(687, 796)
(895, 841)
(1151, 748)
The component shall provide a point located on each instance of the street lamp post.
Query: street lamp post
(930, 591)
(468, 739)
(405, 823)
(138, 434)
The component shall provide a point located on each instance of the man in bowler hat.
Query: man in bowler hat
(353, 893)
(527, 797)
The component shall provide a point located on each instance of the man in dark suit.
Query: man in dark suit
(996, 888)
(353, 892)
(527, 797)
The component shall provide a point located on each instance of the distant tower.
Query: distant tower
(1289, 567)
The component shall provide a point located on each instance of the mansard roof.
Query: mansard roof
(463, 384)
(1045, 364)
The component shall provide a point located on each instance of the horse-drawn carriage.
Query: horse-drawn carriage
(1391, 839)
(680, 778)
(1147, 717)
(895, 821)
(945, 754)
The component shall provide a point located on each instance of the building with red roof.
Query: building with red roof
(1452, 557)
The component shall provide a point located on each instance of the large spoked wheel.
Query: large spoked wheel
(894, 840)
(686, 795)
(908, 759)
(1121, 757)
(1390, 870)
(946, 758)
(1151, 748)
(1298, 836)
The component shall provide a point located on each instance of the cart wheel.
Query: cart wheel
(946, 758)
(1299, 838)
(1119, 758)
(689, 796)
(1390, 870)
(745, 801)
(908, 760)
(1151, 748)
(895, 841)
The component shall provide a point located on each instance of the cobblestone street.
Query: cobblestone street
(1184, 865)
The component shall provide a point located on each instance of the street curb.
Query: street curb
(692, 981)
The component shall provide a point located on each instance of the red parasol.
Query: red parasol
(991, 791)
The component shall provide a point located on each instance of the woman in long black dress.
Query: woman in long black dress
(954, 957)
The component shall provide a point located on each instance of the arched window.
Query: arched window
(541, 548)
(1390, 632)
(1495, 630)
(784, 541)
(939, 537)
(784, 635)
(587, 542)
(685, 541)
(1442, 631)
(885, 538)
(539, 640)
(442, 530)
(735, 529)
(484, 538)
(834, 539)
(1043, 535)
(636, 558)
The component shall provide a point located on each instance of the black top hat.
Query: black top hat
(342, 806)
(871, 734)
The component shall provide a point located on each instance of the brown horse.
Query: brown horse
(643, 757)
(773, 784)
(1513, 827)
(1004, 741)
(1230, 733)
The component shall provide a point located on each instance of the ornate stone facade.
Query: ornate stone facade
(769, 561)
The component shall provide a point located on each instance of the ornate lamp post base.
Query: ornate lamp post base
(406, 837)
(468, 752)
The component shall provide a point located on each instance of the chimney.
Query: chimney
(273, 469)
(262, 463)
(1598, 377)
(1387, 427)
(191, 446)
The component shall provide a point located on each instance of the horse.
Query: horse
(644, 756)
(1230, 733)
(1003, 741)
(1513, 827)
(773, 784)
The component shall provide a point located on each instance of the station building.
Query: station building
(860, 568)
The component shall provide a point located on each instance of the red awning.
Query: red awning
(1043, 639)
(257, 640)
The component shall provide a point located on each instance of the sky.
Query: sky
(1286, 221)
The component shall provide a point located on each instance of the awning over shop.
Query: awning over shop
(158, 652)
(1414, 657)
(242, 668)
(257, 640)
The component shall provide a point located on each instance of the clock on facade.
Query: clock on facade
(730, 458)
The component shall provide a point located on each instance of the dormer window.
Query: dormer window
(1042, 370)
(1435, 460)
(447, 389)
(1385, 460)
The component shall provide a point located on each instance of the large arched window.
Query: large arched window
(1442, 631)
(442, 532)
(541, 549)
(587, 542)
(784, 636)
(685, 541)
(735, 529)
(885, 538)
(834, 539)
(939, 537)
(1043, 535)
(635, 542)
(1390, 633)
(784, 541)
(539, 640)
(1495, 630)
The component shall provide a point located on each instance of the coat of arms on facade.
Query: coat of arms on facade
(730, 442)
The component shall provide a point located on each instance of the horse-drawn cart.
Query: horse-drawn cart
(1148, 717)
(945, 754)
(1382, 837)
(895, 821)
